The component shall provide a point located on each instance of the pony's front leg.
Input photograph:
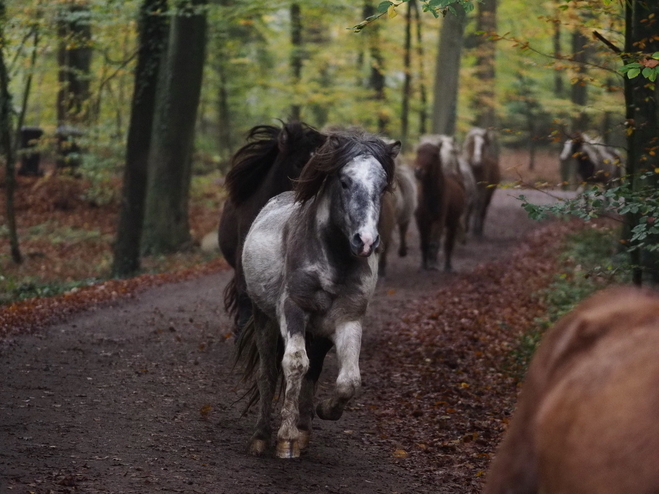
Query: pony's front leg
(295, 365)
(348, 340)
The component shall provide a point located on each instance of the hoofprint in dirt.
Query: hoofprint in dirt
(140, 397)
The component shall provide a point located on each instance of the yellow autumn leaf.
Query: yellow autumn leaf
(391, 12)
(400, 453)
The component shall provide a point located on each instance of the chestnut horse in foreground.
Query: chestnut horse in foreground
(587, 417)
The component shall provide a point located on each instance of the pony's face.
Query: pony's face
(571, 147)
(427, 158)
(296, 147)
(480, 140)
(357, 192)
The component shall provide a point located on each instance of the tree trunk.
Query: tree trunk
(579, 89)
(166, 226)
(152, 39)
(407, 85)
(423, 95)
(558, 77)
(296, 55)
(74, 56)
(485, 98)
(6, 144)
(377, 82)
(447, 72)
(224, 112)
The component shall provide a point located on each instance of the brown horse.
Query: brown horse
(586, 419)
(480, 152)
(441, 205)
(264, 167)
(398, 208)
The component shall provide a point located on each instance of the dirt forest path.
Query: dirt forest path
(139, 397)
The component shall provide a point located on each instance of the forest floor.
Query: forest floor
(137, 393)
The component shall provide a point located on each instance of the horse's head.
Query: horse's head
(297, 142)
(478, 140)
(427, 160)
(572, 146)
(351, 171)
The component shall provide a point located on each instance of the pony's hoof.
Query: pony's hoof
(258, 447)
(288, 449)
(303, 440)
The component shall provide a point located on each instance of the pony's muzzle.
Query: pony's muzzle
(364, 245)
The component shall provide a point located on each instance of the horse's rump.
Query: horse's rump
(586, 417)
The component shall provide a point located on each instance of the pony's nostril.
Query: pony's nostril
(357, 241)
(376, 243)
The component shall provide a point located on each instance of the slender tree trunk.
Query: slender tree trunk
(166, 224)
(224, 112)
(152, 39)
(579, 88)
(297, 56)
(6, 145)
(447, 72)
(485, 97)
(74, 56)
(558, 54)
(377, 81)
(423, 95)
(407, 85)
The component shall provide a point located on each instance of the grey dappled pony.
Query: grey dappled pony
(310, 263)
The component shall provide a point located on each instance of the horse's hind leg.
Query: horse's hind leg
(449, 243)
(266, 343)
(402, 229)
(347, 338)
(317, 349)
(295, 365)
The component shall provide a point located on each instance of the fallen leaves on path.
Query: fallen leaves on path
(443, 397)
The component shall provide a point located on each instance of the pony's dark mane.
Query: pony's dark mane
(251, 163)
(339, 149)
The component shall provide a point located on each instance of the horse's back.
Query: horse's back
(263, 251)
(586, 417)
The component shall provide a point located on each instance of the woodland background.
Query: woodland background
(206, 72)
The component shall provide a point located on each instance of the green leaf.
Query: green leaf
(384, 6)
(633, 73)
(655, 55)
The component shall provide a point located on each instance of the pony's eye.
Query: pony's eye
(344, 184)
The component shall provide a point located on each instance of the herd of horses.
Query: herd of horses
(307, 224)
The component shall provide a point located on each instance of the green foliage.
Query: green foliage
(621, 199)
(648, 66)
(589, 263)
(435, 7)
(15, 291)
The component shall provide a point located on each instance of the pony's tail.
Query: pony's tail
(247, 355)
(230, 296)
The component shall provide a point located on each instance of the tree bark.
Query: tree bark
(74, 55)
(485, 98)
(423, 95)
(166, 225)
(579, 88)
(152, 39)
(407, 85)
(296, 55)
(447, 72)
(6, 144)
(558, 77)
(377, 81)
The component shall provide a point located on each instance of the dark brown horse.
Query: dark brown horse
(586, 418)
(264, 167)
(440, 206)
(480, 152)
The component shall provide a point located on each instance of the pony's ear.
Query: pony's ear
(282, 139)
(393, 149)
